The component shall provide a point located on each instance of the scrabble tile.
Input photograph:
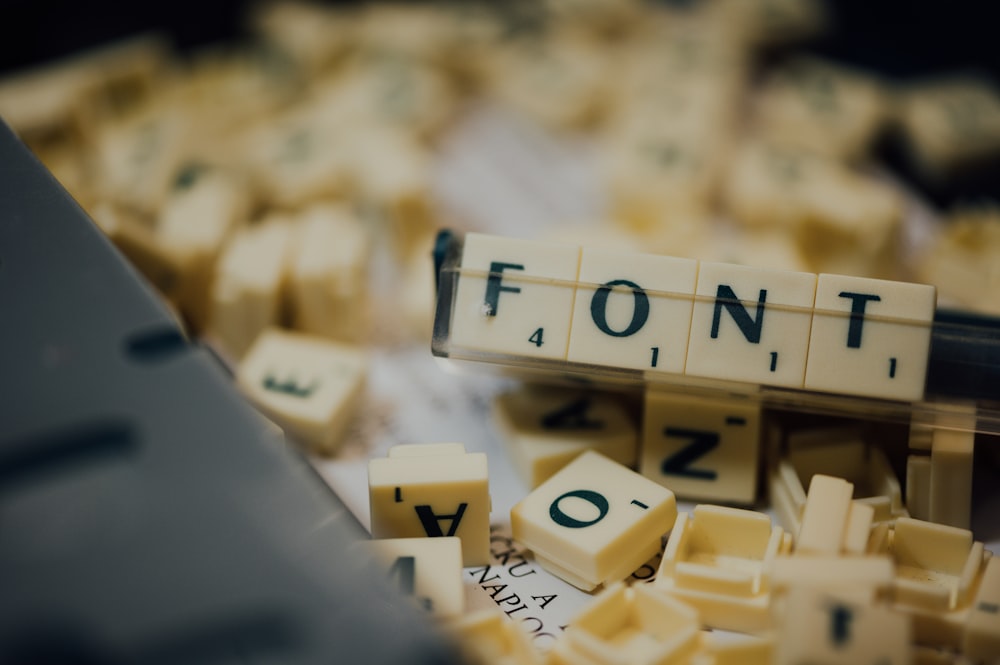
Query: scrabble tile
(298, 159)
(821, 627)
(747, 651)
(826, 516)
(961, 262)
(751, 324)
(515, 297)
(950, 123)
(701, 448)
(432, 490)
(393, 170)
(632, 310)
(717, 559)
(873, 576)
(822, 107)
(950, 500)
(487, 637)
(138, 242)
(308, 385)
(427, 570)
(870, 337)
(138, 158)
(544, 429)
(937, 566)
(636, 625)
(842, 453)
(328, 274)
(593, 522)
(918, 486)
(203, 209)
(981, 637)
(249, 280)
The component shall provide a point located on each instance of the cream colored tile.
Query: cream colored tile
(701, 448)
(546, 428)
(938, 569)
(872, 574)
(308, 385)
(820, 627)
(632, 310)
(247, 290)
(981, 638)
(432, 490)
(825, 516)
(427, 570)
(918, 486)
(636, 625)
(487, 637)
(718, 560)
(515, 297)
(751, 324)
(870, 337)
(952, 455)
(328, 274)
(593, 522)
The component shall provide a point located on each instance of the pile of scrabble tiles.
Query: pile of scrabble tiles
(260, 187)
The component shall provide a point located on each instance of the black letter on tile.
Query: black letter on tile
(599, 308)
(701, 444)
(431, 522)
(725, 297)
(858, 303)
(561, 518)
(493, 286)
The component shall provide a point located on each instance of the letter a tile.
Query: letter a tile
(432, 490)
(515, 297)
(594, 522)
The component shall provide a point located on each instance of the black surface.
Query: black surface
(147, 515)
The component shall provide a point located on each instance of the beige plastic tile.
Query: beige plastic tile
(700, 448)
(950, 500)
(139, 158)
(835, 452)
(637, 624)
(139, 244)
(632, 310)
(730, 651)
(828, 523)
(193, 226)
(308, 385)
(298, 159)
(918, 486)
(394, 173)
(515, 296)
(546, 428)
(937, 566)
(981, 639)
(427, 570)
(718, 559)
(873, 575)
(818, 627)
(432, 490)
(764, 337)
(488, 637)
(870, 337)
(249, 283)
(328, 274)
(593, 522)
(819, 106)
